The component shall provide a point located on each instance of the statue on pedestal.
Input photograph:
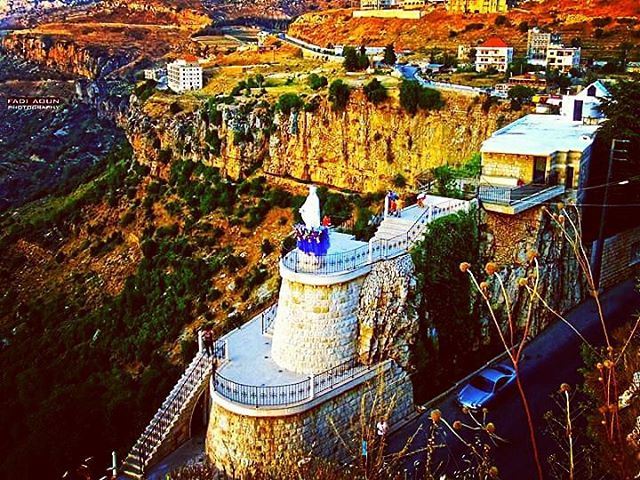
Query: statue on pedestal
(312, 237)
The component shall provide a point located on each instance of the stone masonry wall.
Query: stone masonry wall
(239, 443)
(621, 257)
(316, 326)
(387, 322)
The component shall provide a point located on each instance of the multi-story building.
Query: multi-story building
(477, 6)
(537, 44)
(563, 58)
(378, 4)
(540, 157)
(494, 53)
(185, 74)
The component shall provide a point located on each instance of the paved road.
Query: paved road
(551, 359)
(413, 73)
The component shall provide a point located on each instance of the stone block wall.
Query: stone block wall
(333, 429)
(620, 257)
(511, 166)
(316, 326)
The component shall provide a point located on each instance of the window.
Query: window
(591, 91)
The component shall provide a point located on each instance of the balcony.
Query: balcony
(513, 200)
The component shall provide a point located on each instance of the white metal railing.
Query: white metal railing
(378, 248)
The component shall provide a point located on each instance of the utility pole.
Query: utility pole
(596, 256)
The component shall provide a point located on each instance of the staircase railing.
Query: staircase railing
(191, 380)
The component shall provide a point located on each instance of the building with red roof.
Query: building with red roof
(494, 53)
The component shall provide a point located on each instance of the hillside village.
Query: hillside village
(388, 240)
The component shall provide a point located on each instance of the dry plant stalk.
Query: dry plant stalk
(610, 360)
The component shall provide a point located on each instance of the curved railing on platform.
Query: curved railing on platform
(290, 394)
(377, 249)
(298, 261)
(267, 317)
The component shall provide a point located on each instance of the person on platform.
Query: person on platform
(421, 200)
(207, 339)
(399, 205)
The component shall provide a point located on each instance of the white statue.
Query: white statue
(310, 210)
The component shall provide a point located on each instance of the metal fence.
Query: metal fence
(267, 317)
(333, 263)
(377, 249)
(161, 423)
(262, 395)
(293, 393)
(498, 195)
(346, 371)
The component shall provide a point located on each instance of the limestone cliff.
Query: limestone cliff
(67, 56)
(367, 145)
(361, 149)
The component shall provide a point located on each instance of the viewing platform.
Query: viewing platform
(349, 258)
(250, 382)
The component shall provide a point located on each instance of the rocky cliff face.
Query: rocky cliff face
(366, 146)
(361, 149)
(510, 239)
(387, 321)
(67, 56)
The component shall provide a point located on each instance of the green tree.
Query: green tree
(390, 57)
(521, 94)
(410, 95)
(430, 99)
(316, 81)
(339, 93)
(445, 301)
(375, 91)
(288, 102)
(350, 59)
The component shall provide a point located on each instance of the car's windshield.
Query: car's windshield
(481, 383)
(502, 369)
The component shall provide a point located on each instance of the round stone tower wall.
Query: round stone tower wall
(316, 327)
(239, 443)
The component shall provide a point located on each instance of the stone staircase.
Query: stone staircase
(391, 227)
(166, 431)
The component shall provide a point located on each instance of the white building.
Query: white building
(538, 43)
(563, 58)
(494, 53)
(185, 74)
(583, 107)
(155, 74)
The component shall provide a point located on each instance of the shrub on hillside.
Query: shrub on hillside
(414, 96)
(288, 102)
(339, 93)
(375, 91)
(316, 81)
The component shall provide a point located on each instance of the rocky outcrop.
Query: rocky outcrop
(510, 240)
(65, 55)
(236, 144)
(364, 147)
(387, 321)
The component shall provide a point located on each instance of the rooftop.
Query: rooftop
(541, 135)
(495, 42)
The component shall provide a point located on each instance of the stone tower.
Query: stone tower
(308, 375)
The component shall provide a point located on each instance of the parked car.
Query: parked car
(485, 386)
